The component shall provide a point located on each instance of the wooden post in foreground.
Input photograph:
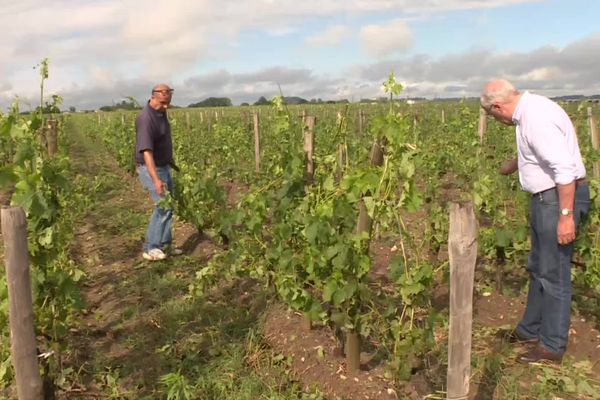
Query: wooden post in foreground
(309, 122)
(364, 225)
(23, 346)
(595, 140)
(462, 246)
(341, 163)
(256, 141)
(482, 124)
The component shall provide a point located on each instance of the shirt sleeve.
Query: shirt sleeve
(550, 142)
(143, 135)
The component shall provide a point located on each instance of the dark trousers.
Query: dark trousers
(548, 312)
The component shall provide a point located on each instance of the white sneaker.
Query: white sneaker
(154, 255)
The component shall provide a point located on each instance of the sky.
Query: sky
(103, 51)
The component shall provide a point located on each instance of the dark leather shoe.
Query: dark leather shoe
(540, 355)
(518, 338)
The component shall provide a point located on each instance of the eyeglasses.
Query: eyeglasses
(164, 92)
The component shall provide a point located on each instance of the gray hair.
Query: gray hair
(497, 91)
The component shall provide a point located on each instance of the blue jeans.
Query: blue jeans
(159, 234)
(548, 312)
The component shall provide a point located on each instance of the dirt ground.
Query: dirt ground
(109, 258)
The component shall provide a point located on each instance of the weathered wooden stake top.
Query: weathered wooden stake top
(482, 124)
(256, 141)
(595, 140)
(462, 246)
(21, 319)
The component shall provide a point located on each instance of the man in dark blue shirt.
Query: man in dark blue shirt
(154, 157)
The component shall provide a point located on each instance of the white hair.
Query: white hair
(497, 91)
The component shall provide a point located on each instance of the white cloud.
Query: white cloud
(101, 76)
(386, 40)
(542, 74)
(331, 37)
(101, 50)
(547, 70)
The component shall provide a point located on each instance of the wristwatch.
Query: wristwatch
(566, 211)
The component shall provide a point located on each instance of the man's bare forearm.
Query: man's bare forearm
(150, 165)
(566, 196)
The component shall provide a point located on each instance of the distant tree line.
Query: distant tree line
(213, 102)
(262, 101)
(131, 104)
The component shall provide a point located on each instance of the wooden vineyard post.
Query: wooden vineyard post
(201, 117)
(52, 137)
(303, 118)
(462, 246)
(443, 116)
(256, 141)
(482, 124)
(309, 147)
(342, 157)
(364, 225)
(360, 122)
(309, 151)
(414, 126)
(23, 346)
(595, 140)
(122, 118)
(352, 349)
(376, 154)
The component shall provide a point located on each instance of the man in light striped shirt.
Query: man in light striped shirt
(551, 169)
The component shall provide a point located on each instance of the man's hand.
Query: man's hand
(508, 167)
(159, 186)
(566, 230)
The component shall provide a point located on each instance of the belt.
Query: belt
(578, 182)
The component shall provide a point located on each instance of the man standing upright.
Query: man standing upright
(551, 169)
(154, 157)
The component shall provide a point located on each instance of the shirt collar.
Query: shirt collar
(516, 117)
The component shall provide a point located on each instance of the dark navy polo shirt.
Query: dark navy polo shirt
(153, 132)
